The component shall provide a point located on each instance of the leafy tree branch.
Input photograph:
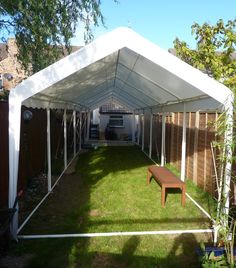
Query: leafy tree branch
(43, 29)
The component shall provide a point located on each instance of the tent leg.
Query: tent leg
(65, 140)
(143, 119)
(138, 138)
(80, 129)
(150, 136)
(85, 126)
(14, 149)
(228, 155)
(133, 128)
(183, 157)
(88, 126)
(163, 140)
(74, 132)
(49, 150)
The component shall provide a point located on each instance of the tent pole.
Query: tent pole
(133, 128)
(14, 148)
(85, 126)
(80, 129)
(88, 126)
(183, 156)
(49, 150)
(163, 140)
(143, 119)
(138, 138)
(65, 140)
(74, 132)
(228, 153)
(150, 136)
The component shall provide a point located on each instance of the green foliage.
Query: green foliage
(4, 95)
(215, 45)
(43, 29)
(209, 260)
(213, 53)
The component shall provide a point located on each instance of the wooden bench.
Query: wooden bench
(166, 179)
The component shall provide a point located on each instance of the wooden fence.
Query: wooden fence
(200, 133)
(3, 153)
(33, 146)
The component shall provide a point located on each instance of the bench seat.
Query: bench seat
(166, 179)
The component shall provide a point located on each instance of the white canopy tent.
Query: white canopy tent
(120, 66)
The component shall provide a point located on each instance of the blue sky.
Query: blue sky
(161, 21)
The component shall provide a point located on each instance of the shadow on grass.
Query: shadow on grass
(69, 208)
(73, 253)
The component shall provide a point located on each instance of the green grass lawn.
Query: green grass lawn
(108, 193)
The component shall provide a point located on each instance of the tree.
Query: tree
(43, 29)
(214, 53)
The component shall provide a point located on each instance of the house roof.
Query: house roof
(124, 67)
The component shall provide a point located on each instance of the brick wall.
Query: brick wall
(10, 65)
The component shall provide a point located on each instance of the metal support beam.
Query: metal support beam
(85, 126)
(150, 136)
(80, 129)
(163, 140)
(228, 154)
(14, 149)
(138, 138)
(133, 128)
(74, 132)
(183, 157)
(49, 151)
(88, 126)
(65, 140)
(143, 128)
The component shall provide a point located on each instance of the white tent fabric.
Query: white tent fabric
(124, 66)
(120, 66)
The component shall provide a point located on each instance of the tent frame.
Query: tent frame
(120, 66)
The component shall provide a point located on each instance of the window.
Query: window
(116, 121)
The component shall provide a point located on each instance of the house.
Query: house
(10, 65)
(11, 71)
(112, 121)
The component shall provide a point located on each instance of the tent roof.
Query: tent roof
(123, 67)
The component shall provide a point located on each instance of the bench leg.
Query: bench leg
(149, 174)
(163, 196)
(183, 195)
